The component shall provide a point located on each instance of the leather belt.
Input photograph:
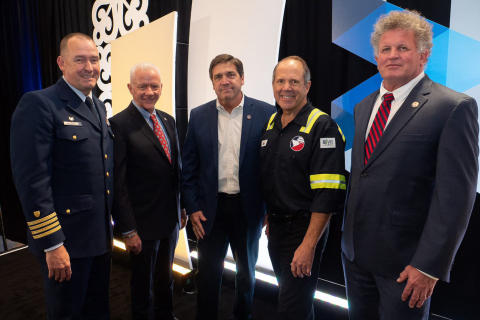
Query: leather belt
(287, 217)
(228, 195)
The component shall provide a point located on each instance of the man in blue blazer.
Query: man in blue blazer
(62, 165)
(413, 178)
(221, 186)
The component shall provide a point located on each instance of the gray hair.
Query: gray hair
(406, 20)
(306, 70)
(144, 66)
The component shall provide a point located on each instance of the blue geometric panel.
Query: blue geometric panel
(454, 61)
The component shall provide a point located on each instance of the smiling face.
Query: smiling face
(80, 64)
(146, 88)
(398, 60)
(227, 84)
(289, 87)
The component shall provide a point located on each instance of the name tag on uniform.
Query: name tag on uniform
(327, 143)
(264, 143)
(70, 123)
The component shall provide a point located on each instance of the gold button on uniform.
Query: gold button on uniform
(36, 214)
(108, 191)
(74, 137)
(68, 211)
(107, 174)
(106, 157)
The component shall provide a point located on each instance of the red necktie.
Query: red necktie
(159, 133)
(378, 125)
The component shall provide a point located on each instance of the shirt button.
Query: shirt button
(363, 175)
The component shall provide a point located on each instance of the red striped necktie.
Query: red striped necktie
(378, 125)
(159, 133)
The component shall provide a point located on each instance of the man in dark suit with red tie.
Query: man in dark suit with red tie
(147, 209)
(413, 178)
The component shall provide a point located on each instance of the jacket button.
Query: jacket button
(108, 191)
(74, 137)
(363, 175)
(106, 157)
(68, 211)
(107, 174)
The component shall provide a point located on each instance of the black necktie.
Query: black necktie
(89, 103)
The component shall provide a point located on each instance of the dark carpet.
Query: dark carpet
(21, 293)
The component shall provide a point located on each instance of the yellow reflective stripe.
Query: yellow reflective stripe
(47, 233)
(328, 181)
(31, 223)
(343, 137)
(46, 228)
(44, 224)
(311, 120)
(270, 122)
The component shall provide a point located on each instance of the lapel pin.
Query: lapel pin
(415, 104)
(249, 117)
(70, 118)
(165, 119)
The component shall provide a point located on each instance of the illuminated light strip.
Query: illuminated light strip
(176, 267)
(272, 280)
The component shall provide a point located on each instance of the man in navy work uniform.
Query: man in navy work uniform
(221, 186)
(413, 178)
(303, 183)
(62, 164)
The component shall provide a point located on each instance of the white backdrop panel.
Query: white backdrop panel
(248, 30)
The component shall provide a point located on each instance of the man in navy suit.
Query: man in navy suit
(62, 165)
(147, 206)
(413, 178)
(221, 186)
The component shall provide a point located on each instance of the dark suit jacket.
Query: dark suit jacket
(147, 185)
(60, 160)
(411, 203)
(200, 162)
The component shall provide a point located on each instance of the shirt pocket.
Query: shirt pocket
(72, 145)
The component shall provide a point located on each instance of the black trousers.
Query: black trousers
(230, 226)
(295, 298)
(371, 296)
(151, 284)
(85, 296)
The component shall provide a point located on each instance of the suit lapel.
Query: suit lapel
(75, 104)
(403, 116)
(213, 120)
(248, 117)
(140, 122)
(362, 117)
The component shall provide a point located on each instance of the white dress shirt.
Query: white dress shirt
(229, 135)
(399, 95)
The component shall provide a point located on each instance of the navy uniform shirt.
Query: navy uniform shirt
(303, 164)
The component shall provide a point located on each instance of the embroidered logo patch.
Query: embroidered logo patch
(327, 143)
(297, 143)
(264, 143)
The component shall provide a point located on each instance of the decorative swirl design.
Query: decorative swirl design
(111, 20)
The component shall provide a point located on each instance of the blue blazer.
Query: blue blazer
(200, 162)
(410, 205)
(62, 165)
